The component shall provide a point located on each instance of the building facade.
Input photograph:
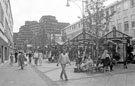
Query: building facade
(6, 30)
(50, 30)
(73, 30)
(40, 34)
(23, 35)
(15, 35)
(124, 18)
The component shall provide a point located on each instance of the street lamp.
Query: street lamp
(82, 12)
(67, 3)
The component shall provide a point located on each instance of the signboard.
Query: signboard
(29, 45)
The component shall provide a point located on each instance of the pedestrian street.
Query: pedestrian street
(118, 77)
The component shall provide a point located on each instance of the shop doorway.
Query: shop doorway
(6, 54)
(2, 55)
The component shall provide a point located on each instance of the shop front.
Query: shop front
(117, 42)
(84, 41)
(4, 49)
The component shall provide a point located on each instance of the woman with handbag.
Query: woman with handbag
(106, 60)
(63, 60)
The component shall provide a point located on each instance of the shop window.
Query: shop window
(126, 26)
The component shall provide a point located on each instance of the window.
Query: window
(126, 26)
(74, 27)
(133, 24)
(107, 13)
(119, 26)
(118, 8)
(112, 25)
(1, 15)
(125, 5)
(133, 21)
(132, 3)
(112, 10)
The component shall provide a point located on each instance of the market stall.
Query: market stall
(121, 41)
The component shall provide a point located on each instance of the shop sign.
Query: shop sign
(29, 45)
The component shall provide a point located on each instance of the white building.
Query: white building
(124, 18)
(6, 29)
(73, 30)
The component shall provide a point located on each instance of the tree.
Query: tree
(98, 18)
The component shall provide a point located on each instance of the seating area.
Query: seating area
(93, 67)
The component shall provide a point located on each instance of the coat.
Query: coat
(21, 59)
(63, 59)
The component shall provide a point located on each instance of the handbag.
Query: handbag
(25, 63)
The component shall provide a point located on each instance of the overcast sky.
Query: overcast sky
(23, 10)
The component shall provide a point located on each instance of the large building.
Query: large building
(75, 29)
(6, 30)
(50, 29)
(15, 35)
(124, 18)
(23, 35)
(39, 34)
(72, 30)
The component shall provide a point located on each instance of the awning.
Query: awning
(79, 38)
(115, 34)
(59, 43)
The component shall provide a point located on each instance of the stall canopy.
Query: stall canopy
(83, 37)
(116, 36)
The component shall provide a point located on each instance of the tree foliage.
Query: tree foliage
(97, 15)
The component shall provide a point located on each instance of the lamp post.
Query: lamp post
(83, 16)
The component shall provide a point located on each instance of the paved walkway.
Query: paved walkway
(14, 76)
(119, 77)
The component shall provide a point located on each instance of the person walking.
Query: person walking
(40, 58)
(16, 56)
(11, 59)
(63, 60)
(49, 55)
(36, 56)
(21, 59)
(30, 57)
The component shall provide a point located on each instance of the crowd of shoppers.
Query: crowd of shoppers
(23, 58)
(84, 60)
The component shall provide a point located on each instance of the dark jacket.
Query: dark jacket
(22, 58)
